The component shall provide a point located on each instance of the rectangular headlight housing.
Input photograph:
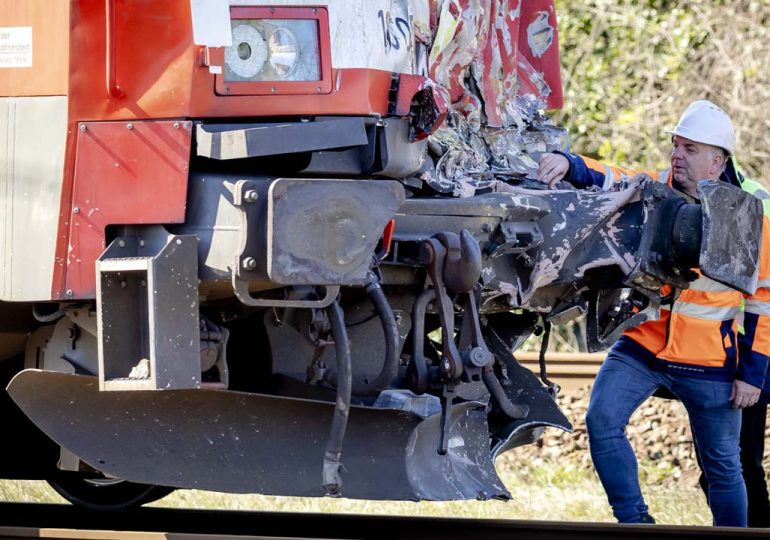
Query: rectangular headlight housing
(276, 51)
(273, 50)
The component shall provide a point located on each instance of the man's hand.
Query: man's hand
(744, 395)
(552, 169)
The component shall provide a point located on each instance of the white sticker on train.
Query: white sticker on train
(15, 47)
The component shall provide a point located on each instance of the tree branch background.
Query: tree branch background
(630, 68)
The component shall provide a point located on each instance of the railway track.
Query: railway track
(61, 521)
(569, 370)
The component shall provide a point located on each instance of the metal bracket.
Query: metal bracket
(241, 289)
(601, 338)
(732, 233)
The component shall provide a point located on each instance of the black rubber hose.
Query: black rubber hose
(499, 396)
(543, 349)
(332, 481)
(390, 365)
(417, 372)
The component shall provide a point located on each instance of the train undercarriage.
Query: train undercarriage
(392, 378)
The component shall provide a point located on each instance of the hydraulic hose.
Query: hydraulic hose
(49, 318)
(417, 372)
(543, 350)
(499, 396)
(390, 365)
(332, 481)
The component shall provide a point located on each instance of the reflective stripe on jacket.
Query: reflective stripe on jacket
(699, 330)
(754, 336)
(698, 333)
(585, 172)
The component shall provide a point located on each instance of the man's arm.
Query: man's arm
(581, 172)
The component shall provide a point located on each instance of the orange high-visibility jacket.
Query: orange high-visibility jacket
(697, 335)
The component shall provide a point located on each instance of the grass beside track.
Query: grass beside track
(543, 491)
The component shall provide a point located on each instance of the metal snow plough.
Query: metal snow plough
(291, 247)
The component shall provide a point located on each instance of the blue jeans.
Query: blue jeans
(622, 385)
(753, 423)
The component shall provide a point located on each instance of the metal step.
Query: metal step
(147, 314)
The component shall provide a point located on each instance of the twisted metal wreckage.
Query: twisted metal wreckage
(251, 328)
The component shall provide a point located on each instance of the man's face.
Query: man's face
(692, 162)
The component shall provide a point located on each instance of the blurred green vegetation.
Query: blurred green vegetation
(630, 67)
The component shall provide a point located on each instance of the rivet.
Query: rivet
(68, 294)
(130, 126)
(122, 243)
(83, 128)
(176, 125)
(141, 243)
(76, 210)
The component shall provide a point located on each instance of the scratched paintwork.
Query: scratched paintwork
(582, 232)
(500, 70)
(500, 44)
(375, 34)
(494, 62)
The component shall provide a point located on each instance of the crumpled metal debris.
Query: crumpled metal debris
(471, 157)
(498, 61)
(577, 217)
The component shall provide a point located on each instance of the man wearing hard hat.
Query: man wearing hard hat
(691, 350)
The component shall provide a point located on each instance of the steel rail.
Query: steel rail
(569, 370)
(62, 521)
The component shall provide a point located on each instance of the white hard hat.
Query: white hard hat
(706, 123)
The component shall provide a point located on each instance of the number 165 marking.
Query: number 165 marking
(389, 38)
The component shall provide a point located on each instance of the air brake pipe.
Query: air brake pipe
(333, 453)
(418, 371)
(55, 316)
(390, 366)
(543, 349)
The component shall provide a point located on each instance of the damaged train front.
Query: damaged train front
(300, 242)
(257, 282)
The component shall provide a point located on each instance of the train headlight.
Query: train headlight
(267, 50)
(284, 52)
(275, 51)
(248, 53)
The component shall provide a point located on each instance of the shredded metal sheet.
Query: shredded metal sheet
(498, 62)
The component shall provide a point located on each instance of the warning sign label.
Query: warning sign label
(15, 47)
